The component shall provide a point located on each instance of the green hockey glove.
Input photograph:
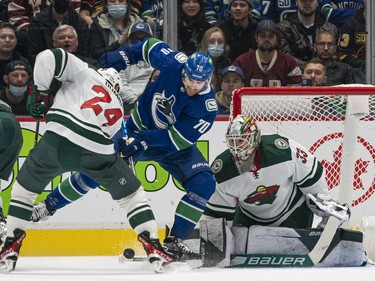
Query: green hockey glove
(37, 102)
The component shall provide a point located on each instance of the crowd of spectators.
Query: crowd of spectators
(252, 42)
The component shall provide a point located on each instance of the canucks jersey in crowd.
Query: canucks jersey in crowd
(217, 10)
(272, 190)
(338, 11)
(276, 10)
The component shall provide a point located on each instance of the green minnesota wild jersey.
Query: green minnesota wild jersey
(86, 110)
(272, 188)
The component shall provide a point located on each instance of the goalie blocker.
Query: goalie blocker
(265, 246)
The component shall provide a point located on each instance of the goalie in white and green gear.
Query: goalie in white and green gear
(264, 180)
(268, 182)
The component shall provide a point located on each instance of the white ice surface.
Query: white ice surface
(109, 268)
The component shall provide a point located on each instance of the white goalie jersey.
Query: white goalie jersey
(269, 191)
(87, 110)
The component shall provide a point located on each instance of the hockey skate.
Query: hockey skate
(42, 211)
(157, 255)
(179, 249)
(3, 227)
(10, 250)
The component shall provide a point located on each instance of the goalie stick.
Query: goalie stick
(285, 260)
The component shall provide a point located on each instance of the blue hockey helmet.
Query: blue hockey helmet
(199, 67)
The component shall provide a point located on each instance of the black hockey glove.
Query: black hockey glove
(133, 146)
(38, 102)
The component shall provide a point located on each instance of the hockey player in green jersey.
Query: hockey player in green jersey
(10, 145)
(269, 180)
(87, 111)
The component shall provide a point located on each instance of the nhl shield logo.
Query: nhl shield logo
(122, 181)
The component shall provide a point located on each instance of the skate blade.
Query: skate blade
(7, 266)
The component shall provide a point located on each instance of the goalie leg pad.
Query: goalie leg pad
(346, 248)
(216, 243)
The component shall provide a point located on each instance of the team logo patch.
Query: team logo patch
(281, 144)
(181, 57)
(263, 195)
(211, 105)
(217, 166)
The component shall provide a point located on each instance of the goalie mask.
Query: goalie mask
(112, 77)
(243, 137)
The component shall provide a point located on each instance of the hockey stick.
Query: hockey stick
(285, 260)
(125, 132)
(36, 131)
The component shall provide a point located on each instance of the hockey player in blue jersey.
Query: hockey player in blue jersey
(171, 115)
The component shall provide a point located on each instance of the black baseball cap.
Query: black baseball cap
(14, 65)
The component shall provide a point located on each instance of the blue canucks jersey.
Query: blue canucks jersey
(338, 11)
(169, 118)
(276, 10)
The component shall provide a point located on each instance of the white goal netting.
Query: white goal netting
(337, 124)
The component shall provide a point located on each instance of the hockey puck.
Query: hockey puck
(129, 253)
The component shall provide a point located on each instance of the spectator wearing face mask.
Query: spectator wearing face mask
(215, 44)
(17, 75)
(111, 28)
(43, 24)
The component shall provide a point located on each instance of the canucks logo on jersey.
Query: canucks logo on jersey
(162, 110)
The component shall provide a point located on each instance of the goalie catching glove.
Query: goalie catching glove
(324, 206)
(38, 102)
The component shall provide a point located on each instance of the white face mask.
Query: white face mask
(215, 50)
(17, 91)
(117, 11)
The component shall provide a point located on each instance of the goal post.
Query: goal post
(336, 124)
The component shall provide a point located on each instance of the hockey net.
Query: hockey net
(336, 124)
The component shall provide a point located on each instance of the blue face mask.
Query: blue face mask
(117, 11)
(215, 50)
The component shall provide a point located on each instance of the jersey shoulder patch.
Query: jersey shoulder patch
(274, 149)
(224, 167)
(211, 105)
